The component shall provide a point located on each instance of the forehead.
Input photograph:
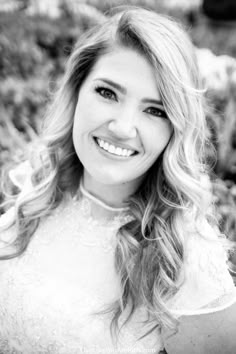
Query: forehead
(128, 68)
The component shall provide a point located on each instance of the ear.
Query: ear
(212, 333)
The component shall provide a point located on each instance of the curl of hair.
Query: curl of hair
(150, 250)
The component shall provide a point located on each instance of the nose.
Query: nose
(123, 125)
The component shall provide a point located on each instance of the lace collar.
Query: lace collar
(98, 212)
(99, 202)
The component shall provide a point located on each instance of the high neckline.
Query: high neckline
(99, 202)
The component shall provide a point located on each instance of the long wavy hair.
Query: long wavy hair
(151, 247)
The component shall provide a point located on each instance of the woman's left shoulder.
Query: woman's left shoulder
(209, 333)
(207, 284)
(206, 302)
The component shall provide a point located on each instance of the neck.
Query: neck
(115, 196)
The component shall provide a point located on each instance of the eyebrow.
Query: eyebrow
(124, 91)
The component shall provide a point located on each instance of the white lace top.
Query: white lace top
(50, 295)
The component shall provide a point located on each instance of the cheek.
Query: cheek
(156, 136)
(84, 116)
(90, 114)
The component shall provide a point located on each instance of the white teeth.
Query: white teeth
(111, 149)
(129, 152)
(118, 151)
(114, 150)
(106, 146)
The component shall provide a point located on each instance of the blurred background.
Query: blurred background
(36, 38)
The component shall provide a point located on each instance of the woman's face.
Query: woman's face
(120, 126)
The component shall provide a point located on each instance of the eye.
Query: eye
(106, 93)
(157, 112)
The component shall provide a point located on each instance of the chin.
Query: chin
(108, 177)
(110, 180)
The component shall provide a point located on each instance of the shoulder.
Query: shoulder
(7, 228)
(205, 274)
(210, 333)
(20, 176)
(206, 302)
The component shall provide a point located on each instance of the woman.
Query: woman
(111, 245)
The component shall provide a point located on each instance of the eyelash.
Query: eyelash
(100, 90)
(160, 113)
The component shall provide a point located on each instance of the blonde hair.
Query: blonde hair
(150, 251)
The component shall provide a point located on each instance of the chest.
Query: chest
(53, 297)
(68, 267)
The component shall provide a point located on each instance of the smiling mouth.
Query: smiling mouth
(114, 150)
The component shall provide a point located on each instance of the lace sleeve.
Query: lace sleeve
(207, 286)
(7, 232)
(21, 176)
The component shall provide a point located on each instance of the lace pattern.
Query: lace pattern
(48, 302)
(52, 296)
(207, 285)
